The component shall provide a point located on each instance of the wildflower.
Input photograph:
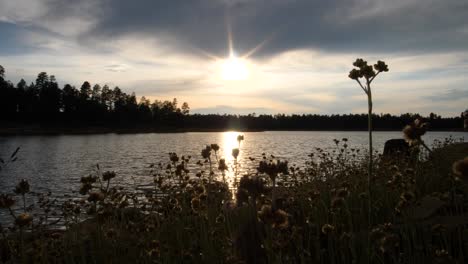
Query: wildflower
(235, 153)
(460, 168)
(199, 189)
(88, 179)
(388, 243)
(443, 256)
(95, 196)
(23, 219)
(111, 233)
(327, 229)
(381, 66)
(155, 249)
(55, 235)
(363, 196)
(84, 189)
(437, 228)
(314, 195)
(337, 202)
(173, 157)
(214, 147)
(376, 233)
(195, 203)
(6, 201)
(106, 176)
(206, 152)
(220, 219)
(407, 196)
(413, 132)
(240, 138)
(355, 74)
(273, 168)
(277, 218)
(22, 187)
(222, 165)
(342, 192)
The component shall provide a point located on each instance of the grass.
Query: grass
(319, 214)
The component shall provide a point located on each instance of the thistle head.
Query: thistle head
(6, 201)
(367, 71)
(106, 176)
(206, 152)
(355, 74)
(460, 168)
(214, 147)
(360, 63)
(235, 153)
(413, 132)
(173, 157)
(22, 187)
(222, 165)
(23, 219)
(380, 66)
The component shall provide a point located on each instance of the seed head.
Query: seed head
(22, 187)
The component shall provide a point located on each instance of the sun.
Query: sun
(234, 69)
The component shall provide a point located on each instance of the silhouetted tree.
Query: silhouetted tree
(185, 108)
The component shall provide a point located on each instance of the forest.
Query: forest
(44, 103)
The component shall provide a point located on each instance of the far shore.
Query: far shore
(38, 130)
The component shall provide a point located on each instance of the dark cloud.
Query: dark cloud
(450, 95)
(338, 25)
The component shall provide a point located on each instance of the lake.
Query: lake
(56, 163)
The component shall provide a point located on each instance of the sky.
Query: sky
(293, 56)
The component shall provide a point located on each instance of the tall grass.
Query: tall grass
(277, 214)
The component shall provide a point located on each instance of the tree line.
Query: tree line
(44, 102)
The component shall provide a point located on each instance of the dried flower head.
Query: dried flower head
(195, 204)
(206, 152)
(380, 66)
(95, 196)
(108, 175)
(6, 201)
(22, 187)
(460, 168)
(337, 202)
(222, 165)
(273, 168)
(327, 229)
(235, 153)
(413, 132)
(214, 147)
(173, 157)
(23, 219)
(276, 218)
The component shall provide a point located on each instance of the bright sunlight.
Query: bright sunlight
(234, 68)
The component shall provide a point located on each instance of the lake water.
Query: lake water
(56, 163)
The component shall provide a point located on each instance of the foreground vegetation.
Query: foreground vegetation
(276, 214)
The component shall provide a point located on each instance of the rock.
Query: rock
(396, 146)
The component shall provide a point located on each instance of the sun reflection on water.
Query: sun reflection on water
(229, 142)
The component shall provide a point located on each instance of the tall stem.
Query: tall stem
(369, 176)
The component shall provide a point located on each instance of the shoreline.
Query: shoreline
(55, 131)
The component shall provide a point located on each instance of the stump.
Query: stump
(396, 147)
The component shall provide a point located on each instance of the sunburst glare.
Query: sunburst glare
(234, 68)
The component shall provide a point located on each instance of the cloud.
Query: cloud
(188, 26)
(450, 95)
(225, 109)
